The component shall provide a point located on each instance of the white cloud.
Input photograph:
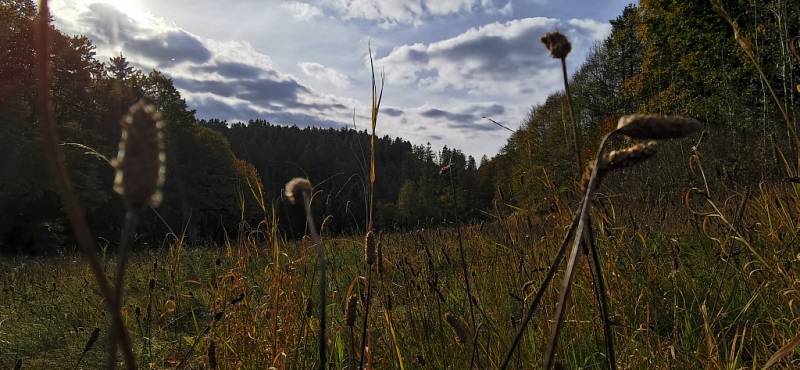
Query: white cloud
(494, 59)
(302, 11)
(221, 79)
(598, 30)
(323, 73)
(389, 13)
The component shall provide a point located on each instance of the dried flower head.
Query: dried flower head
(459, 327)
(350, 310)
(140, 159)
(657, 127)
(557, 44)
(622, 158)
(295, 189)
(369, 247)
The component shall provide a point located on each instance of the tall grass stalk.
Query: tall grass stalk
(377, 96)
(59, 171)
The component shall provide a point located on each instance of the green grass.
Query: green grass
(657, 284)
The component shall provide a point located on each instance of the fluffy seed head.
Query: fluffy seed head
(557, 44)
(459, 327)
(140, 159)
(657, 127)
(369, 247)
(350, 310)
(295, 189)
(630, 156)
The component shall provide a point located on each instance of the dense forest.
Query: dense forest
(223, 177)
(661, 56)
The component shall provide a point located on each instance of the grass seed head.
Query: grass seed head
(657, 127)
(459, 327)
(630, 156)
(140, 159)
(557, 44)
(212, 355)
(369, 247)
(295, 189)
(381, 266)
(350, 310)
(309, 307)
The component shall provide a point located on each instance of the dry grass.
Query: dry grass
(658, 285)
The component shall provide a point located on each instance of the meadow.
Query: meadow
(677, 300)
(705, 273)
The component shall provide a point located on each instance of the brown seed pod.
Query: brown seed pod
(140, 159)
(630, 156)
(557, 44)
(657, 127)
(459, 327)
(350, 310)
(295, 189)
(369, 247)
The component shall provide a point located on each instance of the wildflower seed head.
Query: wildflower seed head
(657, 127)
(459, 327)
(369, 247)
(350, 310)
(140, 159)
(557, 44)
(295, 189)
(630, 156)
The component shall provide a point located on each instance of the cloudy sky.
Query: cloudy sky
(305, 62)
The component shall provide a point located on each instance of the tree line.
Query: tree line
(222, 178)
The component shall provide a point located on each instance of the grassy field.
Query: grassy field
(676, 301)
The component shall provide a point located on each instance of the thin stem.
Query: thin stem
(572, 265)
(58, 169)
(323, 280)
(575, 134)
(464, 266)
(551, 272)
(128, 229)
(366, 316)
(600, 292)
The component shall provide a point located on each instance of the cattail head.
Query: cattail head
(212, 355)
(296, 188)
(632, 155)
(350, 310)
(557, 44)
(381, 266)
(657, 127)
(309, 307)
(459, 327)
(140, 159)
(369, 247)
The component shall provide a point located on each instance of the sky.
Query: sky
(447, 63)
